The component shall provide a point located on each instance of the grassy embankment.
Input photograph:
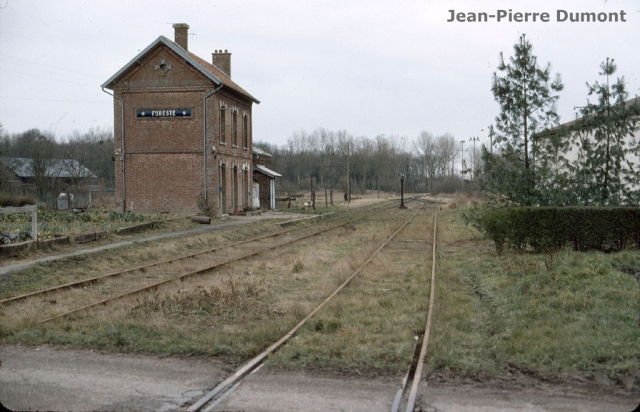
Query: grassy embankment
(565, 312)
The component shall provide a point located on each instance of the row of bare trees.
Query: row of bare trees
(427, 163)
(46, 160)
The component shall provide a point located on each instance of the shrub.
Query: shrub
(549, 228)
(5, 200)
(446, 185)
(24, 201)
(205, 205)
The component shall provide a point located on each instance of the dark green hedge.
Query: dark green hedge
(548, 228)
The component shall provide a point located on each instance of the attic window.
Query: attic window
(163, 67)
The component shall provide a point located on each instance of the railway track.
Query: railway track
(85, 294)
(406, 395)
(415, 370)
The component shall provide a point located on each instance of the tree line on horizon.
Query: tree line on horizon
(426, 163)
(321, 157)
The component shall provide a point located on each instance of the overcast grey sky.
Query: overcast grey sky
(370, 67)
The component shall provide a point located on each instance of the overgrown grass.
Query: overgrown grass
(561, 312)
(48, 274)
(72, 223)
(232, 314)
(370, 327)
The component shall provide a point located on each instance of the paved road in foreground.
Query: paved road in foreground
(44, 378)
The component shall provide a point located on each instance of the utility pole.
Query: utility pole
(348, 176)
(402, 206)
(474, 140)
(462, 164)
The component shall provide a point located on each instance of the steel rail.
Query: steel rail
(398, 398)
(95, 279)
(425, 340)
(258, 360)
(142, 267)
(195, 272)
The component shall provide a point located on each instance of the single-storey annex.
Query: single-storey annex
(264, 180)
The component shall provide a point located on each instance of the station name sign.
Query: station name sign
(163, 113)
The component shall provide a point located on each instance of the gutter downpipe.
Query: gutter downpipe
(124, 184)
(204, 140)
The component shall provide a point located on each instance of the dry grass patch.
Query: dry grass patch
(233, 313)
(49, 274)
(370, 326)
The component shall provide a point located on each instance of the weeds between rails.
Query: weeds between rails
(229, 384)
(143, 271)
(415, 370)
(95, 279)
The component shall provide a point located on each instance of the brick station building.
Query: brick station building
(182, 130)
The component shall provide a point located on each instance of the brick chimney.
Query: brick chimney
(222, 60)
(182, 35)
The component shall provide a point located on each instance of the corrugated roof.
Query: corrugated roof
(209, 70)
(64, 168)
(266, 171)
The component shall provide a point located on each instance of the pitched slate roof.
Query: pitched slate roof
(61, 168)
(209, 70)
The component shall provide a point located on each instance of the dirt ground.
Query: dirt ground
(44, 378)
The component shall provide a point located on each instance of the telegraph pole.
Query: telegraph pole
(462, 163)
(474, 140)
(348, 176)
(402, 206)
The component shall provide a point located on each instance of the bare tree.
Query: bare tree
(40, 150)
(447, 154)
(93, 150)
(425, 144)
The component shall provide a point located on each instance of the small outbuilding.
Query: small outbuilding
(47, 178)
(264, 180)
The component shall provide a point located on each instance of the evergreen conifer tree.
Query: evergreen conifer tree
(527, 95)
(605, 137)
